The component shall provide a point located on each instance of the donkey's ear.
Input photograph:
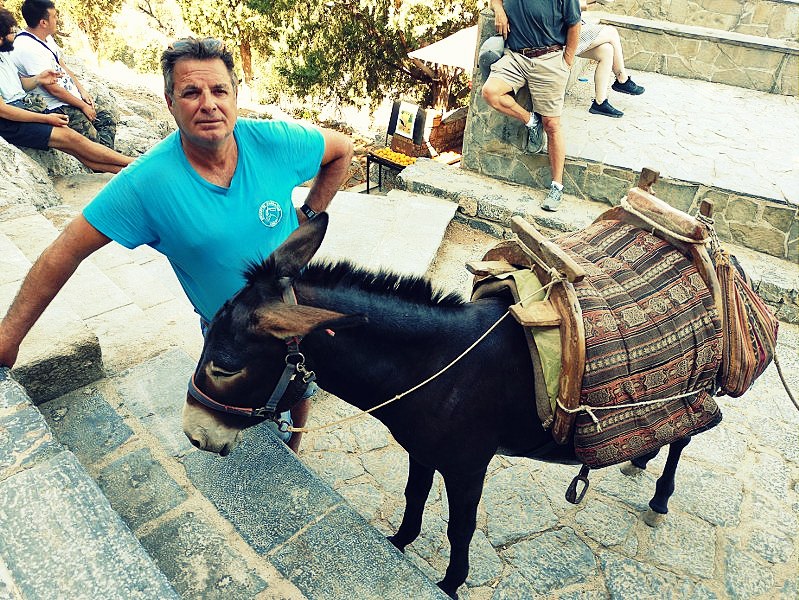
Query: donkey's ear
(287, 320)
(299, 248)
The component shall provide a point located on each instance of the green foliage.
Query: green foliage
(236, 24)
(93, 17)
(145, 59)
(351, 50)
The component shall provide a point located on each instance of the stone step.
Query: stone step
(59, 536)
(698, 52)
(61, 353)
(488, 205)
(256, 523)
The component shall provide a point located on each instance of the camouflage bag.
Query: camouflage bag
(32, 102)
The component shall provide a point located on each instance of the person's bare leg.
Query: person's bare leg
(497, 94)
(556, 147)
(95, 156)
(299, 416)
(610, 35)
(603, 55)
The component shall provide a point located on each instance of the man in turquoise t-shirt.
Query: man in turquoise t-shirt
(213, 197)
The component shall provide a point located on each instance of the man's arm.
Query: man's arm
(47, 276)
(87, 98)
(12, 113)
(46, 77)
(336, 162)
(572, 38)
(500, 18)
(60, 92)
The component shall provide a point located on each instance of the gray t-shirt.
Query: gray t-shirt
(10, 86)
(539, 23)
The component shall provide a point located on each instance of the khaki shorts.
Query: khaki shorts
(545, 76)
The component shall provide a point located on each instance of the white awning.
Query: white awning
(456, 50)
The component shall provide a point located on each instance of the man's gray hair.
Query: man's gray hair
(197, 49)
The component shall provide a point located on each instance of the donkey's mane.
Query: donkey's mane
(344, 274)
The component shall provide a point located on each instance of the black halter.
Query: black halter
(293, 382)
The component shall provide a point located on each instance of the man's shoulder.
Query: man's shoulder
(27, 48)
(272, 131)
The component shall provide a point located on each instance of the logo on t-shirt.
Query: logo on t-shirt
(270, 213)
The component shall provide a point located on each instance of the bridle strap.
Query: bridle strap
(292, 369)
(202, 398)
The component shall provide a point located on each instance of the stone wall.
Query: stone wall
(777, 19)
(710, 55)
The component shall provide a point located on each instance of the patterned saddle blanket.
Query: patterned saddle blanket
(653, 342)
(652, 332)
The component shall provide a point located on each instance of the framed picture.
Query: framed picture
(406, 119)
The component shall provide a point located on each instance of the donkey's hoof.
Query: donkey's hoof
(654, 519)
(393, 540)
(631, 470)
(453, 594)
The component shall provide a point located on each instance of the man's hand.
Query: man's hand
(8, 350)
(46, 77)
(501, 20)
(89, 111)
(56, 119)
(569, 58)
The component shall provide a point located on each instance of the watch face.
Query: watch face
(308, 211)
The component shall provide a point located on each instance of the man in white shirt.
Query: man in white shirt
(35, 50)
(29, 129)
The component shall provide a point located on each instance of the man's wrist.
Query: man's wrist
(308, 211)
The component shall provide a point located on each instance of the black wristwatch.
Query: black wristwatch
(308, 211)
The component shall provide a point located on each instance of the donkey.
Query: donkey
(369, 337)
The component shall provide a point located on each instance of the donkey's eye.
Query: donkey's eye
(221, 373)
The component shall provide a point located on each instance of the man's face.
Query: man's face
(7, 41)
(203, 102)
(50, 24)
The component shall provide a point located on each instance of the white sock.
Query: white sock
(558, 185)
(533, 121)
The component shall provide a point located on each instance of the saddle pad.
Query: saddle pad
(652, 331)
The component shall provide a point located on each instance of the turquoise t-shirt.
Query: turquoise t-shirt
(211, 234)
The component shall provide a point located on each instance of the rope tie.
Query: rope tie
(589, 410)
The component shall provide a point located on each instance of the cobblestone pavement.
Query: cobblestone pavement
(731, 531)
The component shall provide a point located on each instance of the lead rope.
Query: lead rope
(715, 244)
(546, 288)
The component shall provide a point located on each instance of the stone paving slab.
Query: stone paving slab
(59, 537)
(127, 430)
(376, 231)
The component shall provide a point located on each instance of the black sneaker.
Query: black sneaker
(605, 109)
(628, 87)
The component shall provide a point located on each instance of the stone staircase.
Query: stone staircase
(183, 523)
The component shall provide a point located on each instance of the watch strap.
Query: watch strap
(308, 211)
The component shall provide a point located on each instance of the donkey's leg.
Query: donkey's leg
(463, 496)
(664, 488)
(638, 464)
(420, 480)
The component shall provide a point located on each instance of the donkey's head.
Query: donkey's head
(251, 367)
